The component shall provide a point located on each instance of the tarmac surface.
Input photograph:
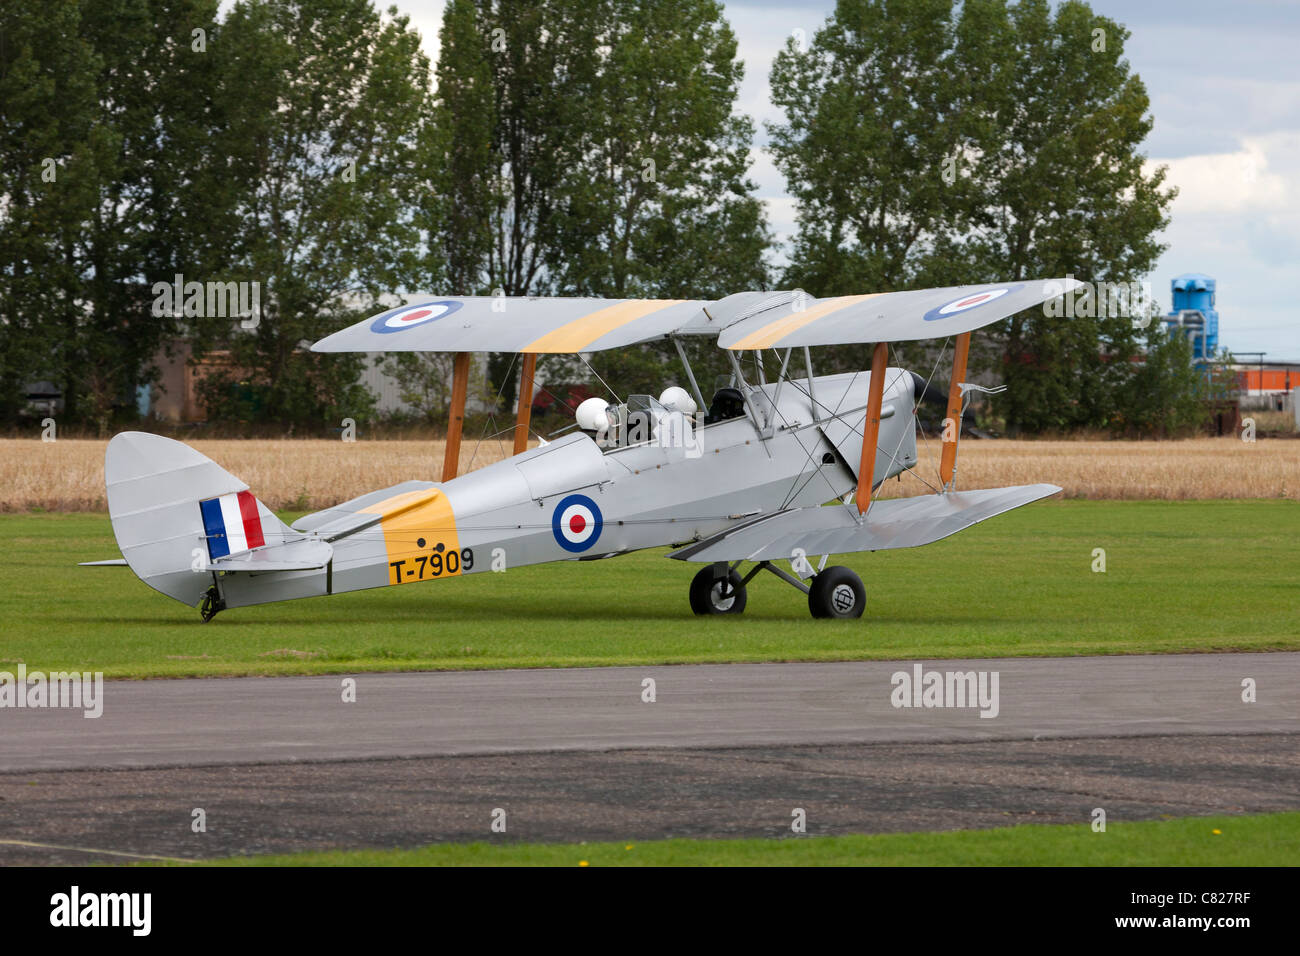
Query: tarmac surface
(284, 764)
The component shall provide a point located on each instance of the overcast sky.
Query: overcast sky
(1224, 83)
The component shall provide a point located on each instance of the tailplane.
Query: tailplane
(179, 517)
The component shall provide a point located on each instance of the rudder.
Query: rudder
(175, 510)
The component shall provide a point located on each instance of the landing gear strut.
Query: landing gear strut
(834, 592)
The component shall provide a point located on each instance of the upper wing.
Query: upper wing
(746, 320)
(890, 316)
(513, 324)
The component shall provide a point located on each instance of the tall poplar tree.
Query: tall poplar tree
(321, 107)
(936, 143)
(608, 160)
(114, 94)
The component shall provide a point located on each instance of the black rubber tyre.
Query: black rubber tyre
(836, 592)
(717, 596)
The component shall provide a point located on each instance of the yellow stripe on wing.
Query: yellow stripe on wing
(768, 335)
(577, 335)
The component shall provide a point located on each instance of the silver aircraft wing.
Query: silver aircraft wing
(835, 529)
(890, 316)
(514, 324)
(744, 320)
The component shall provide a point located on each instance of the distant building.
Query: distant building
(1194, 315)
(179, 399)
(44, 398)
(1268, 385)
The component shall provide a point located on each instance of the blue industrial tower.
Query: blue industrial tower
(1193, 314)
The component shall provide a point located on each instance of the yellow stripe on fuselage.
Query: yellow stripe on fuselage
(777, 329)
(420, 536)
(577, 335)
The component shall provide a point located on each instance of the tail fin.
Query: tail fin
(174, 511)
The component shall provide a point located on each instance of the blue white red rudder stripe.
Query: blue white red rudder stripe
(232, 524)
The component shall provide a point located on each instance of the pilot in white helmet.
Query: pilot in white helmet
(593, 417)
(677, 399)
(673, 428)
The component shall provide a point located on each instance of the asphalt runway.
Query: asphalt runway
(284, 764)
(163, 723)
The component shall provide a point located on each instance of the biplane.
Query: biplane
(758, 473)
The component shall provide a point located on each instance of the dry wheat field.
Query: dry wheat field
(68, 475)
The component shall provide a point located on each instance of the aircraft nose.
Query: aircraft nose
(923, 392)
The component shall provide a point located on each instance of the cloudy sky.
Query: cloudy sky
(1224, 83)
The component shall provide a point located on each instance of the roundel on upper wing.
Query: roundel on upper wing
(972, 300)
(576, 523)
(409, 316)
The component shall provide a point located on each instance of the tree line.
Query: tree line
(561, 147)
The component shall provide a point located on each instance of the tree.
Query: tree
(660, 204)
(155, 88)
(875, 107)
(321, 107)
(934, 145)
(509, 100)
(50, 143)
(1165, 394)
(457, 150)
(1069, 196)
(114, 95)
(606, 161)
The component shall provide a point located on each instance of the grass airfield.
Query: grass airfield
(1180, 577)
(1271, 839)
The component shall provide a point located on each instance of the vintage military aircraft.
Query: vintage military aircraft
(766, 474)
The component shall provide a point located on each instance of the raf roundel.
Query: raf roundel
(409, 316)
(970, 301)
(576, 523)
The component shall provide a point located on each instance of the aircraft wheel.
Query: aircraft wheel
(836, 592)
(717, 596)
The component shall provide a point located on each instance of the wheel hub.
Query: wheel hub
(843, 598)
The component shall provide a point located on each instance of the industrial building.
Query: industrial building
(1261, 385)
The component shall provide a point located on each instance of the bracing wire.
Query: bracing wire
(492, 415)
(618, 400)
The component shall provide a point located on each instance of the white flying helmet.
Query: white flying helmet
(593, 414)
(677, 399)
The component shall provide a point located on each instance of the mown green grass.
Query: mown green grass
(1181, 576)
(1265, 840)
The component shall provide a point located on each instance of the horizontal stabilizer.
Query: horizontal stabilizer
(890, 523)
(110, 563)
(358, 514)
(304, 555)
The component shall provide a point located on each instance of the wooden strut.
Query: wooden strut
(948, 460)
(456, 416)
(525, 402)
(871, 430)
